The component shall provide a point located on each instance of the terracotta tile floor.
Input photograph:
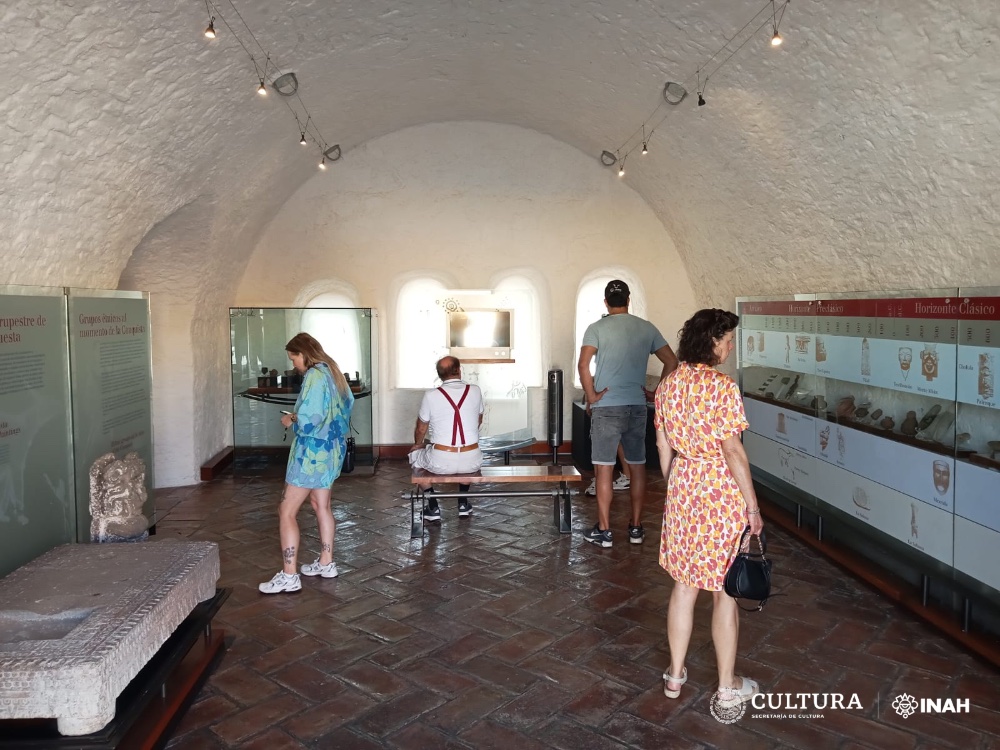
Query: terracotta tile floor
(496, 632)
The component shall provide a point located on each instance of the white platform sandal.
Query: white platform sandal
(732, 697)
(679, 681)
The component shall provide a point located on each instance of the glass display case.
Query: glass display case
(264, 382)
(878, 411)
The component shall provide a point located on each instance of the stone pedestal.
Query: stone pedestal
(78, 623)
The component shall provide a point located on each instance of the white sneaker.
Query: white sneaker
(282, 582)
(315, 569)
(592, 489)
(621, 483)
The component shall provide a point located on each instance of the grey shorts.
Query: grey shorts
(610, 425)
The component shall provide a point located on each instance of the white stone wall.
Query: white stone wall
(471, 201)
(859, 155)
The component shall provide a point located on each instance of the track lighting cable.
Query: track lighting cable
(773, 17)
(309, 130)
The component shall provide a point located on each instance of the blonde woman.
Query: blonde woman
(321, 426)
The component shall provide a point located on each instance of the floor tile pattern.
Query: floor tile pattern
(497, 632)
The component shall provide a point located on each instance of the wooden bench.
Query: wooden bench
(530, 474)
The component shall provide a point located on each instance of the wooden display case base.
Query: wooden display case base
(897, 590)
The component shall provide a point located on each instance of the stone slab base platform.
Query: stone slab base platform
(80, 622)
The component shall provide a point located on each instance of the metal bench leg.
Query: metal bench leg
(417, 528)
(567, 519)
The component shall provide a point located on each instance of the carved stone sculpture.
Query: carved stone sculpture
(117, 494)
(909, 424)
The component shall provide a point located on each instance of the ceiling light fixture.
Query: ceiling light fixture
(322, 164)
(673, 92)
(701, 100)
(302, 140)
(776, 37)
(621, 168)
(210, 30)
(286, 84)
(262, 89)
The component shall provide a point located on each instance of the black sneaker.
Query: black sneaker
(635, 534)
(464, 508)
(432, 512)
(598, 537)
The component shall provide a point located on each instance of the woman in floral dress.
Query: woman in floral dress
(321, 426)
(710, 496)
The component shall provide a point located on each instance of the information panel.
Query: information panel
(112, 387)
(36, 505)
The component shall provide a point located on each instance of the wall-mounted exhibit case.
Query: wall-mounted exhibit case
(75, 384)
(264, 382)
(879, 415)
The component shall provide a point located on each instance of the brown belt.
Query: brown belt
(455, 448)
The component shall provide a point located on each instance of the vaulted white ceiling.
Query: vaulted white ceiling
(859, 154)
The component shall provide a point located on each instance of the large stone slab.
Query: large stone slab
(79, 622)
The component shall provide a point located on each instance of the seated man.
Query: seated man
(453, 414)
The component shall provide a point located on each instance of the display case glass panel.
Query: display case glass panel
(264, 382)
(905, 441)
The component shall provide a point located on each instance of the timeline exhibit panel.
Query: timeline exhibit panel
(900, 393)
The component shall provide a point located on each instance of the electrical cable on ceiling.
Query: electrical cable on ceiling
(674, 92)
(285, 83)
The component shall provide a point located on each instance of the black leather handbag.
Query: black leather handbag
(749, 575)
(348, 466)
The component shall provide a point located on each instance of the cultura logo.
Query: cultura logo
(905, 705)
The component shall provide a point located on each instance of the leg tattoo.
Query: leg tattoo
(327, 547)
(289, 554)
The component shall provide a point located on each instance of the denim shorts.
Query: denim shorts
(610, 425)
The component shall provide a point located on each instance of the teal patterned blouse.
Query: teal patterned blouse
(321, 429)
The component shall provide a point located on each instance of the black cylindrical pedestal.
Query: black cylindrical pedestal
(555, 413)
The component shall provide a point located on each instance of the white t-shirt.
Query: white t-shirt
(440, 415)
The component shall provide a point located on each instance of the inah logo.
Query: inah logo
(905, 705)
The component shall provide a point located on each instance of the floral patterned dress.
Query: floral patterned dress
(704, 514)
(322, 425)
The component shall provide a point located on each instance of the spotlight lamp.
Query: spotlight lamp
(262, 89)
(322, 164)
(701, 100)
(645, 149)
(210, 30)
(621, 169)
(302, 140)
(776, 39)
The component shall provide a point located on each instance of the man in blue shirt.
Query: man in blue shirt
(616, 398)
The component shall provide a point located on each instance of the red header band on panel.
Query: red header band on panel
(928, 308)
(941, 308)
(783, 307)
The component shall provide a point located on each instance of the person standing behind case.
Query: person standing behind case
(321, 424)
(616, 396)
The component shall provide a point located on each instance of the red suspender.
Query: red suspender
(456, 427)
